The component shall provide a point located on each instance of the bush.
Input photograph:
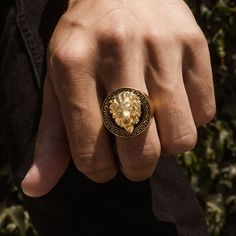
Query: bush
(211, 167)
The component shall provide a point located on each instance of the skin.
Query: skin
(98, 46)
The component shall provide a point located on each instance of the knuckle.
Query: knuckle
(67, 57)
(89, 165)
(210, 113)
(60, 57)
(180, 144)
(190, 36)
(153, 36)
(117, 34)
(193, 37)
(142, 157)
(159, 38)
(207, 115)
(113, 43)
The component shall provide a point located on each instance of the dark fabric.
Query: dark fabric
(164, 205)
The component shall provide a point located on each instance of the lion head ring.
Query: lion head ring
(127, 112)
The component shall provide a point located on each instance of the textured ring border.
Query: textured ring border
(147, 114)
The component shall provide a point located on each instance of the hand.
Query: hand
(98, 46)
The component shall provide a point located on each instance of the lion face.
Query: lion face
(126, 110)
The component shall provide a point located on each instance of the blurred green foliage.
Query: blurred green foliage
(14, 220)
(211, 167)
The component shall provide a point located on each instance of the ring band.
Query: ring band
(127, 112)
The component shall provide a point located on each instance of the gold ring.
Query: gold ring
(127, 112)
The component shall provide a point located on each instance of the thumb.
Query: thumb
(52, 153)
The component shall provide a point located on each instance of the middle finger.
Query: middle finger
(124, 64)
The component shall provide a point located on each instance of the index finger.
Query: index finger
(73, 76)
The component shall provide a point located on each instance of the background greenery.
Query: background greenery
(211, 167)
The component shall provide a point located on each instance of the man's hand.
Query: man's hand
(98, 46)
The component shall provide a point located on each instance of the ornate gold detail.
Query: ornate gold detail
(127, 112)
(125, 108)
